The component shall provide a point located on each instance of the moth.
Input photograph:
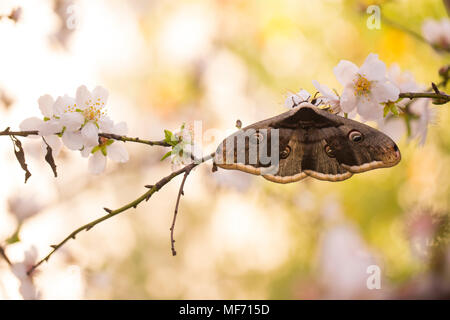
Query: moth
(307, 141)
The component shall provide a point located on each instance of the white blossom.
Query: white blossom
(70, 121)
(77, 122)
(404, 81)
(48, 126)
(181, 153)
(329, 97)
(107, 148)
(23, 206)
(365, 88)
(419, 111)
(91, 105)
(27, 288)
(294, 99)
(437, 32)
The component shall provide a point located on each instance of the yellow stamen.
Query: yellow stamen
(362, 86)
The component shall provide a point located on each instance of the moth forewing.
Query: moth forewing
(269, 159)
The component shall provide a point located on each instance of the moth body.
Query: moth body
(305, 142)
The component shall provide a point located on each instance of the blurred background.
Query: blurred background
(238, 236)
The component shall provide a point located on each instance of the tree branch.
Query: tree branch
(432, 95)
(137, 140)
(111, 213)
(161, 143)
(7, 132)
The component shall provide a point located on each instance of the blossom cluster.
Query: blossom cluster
(182, 143)
(78, 124)
(371, 92)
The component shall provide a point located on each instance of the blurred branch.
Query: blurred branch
(447, 6)
(172, 228)
(161, 143)
(412, 33)
(111, 213)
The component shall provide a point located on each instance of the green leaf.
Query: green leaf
(408, 126)
(95, 149)
(168, 134)
(386, 111)
(394, 109)
(166, 155)
(170, 138)
(103, 149)
(15, 237)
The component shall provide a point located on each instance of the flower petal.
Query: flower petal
(106, 124)
(72, 120)
(46, 103)
(294, 100)
(97, 163)
(325, 91)
(348, 99)
(384, 92)
(117, 152)
(369, 109)
(83, 97)
(345, 72)
(63, 104)
(72, 140)
(100, 94)
(86, 151)
(373, 68)
(90, 134)
(52, 126)
(31, 124)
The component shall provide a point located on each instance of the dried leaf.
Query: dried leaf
(20, 155)
(49, 158)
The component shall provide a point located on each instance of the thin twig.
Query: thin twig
(111, 213)
(172, 228)
(137, 140)
(7, 132)
(161, 143)
(4, 256)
